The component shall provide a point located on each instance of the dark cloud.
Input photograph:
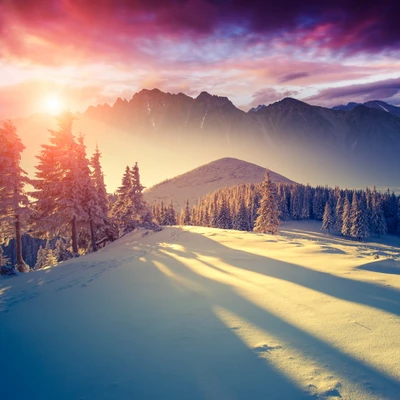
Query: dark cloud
(292, 76)
(32, 29)
(383, 90)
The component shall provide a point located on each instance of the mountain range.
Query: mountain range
(350, 146)
(380, 105)
(206, 179)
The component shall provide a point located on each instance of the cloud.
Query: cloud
(54, 32)
(292, 76)
(382, 90)
(270, 95)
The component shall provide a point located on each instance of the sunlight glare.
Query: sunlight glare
(53, 105)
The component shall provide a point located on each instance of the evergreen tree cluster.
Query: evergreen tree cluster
(68, 206)
(353, 213)
(165, 215)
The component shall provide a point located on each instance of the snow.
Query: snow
(202, 313)
(381, 106)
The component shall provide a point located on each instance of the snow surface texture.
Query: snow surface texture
(201, 313)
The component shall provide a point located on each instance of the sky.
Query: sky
(72, 54)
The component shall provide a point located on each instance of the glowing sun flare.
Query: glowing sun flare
(53, 104)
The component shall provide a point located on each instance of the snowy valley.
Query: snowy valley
(203, 313)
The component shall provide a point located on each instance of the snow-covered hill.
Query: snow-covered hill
(206, 179)
(184, 314)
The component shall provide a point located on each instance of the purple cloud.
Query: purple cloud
(50, 31)
(382, 90)
(292, 76)
(270, 95)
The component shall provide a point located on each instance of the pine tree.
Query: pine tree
(339, 214)
(170, 215)
(378, 222)
(328, 221)
(87, 192)
(62, 250)
(122, 208)
(186, 214)
(346, 218)
(130, 206)
(13, 200)
(105, 230)
(224, 219)
(359, 223)
(45, 257)
(267, 220)
(242, 218)
(138, 203)
(58, 191)
(306, 207)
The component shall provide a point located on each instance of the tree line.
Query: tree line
(355, 214)
(67, 203)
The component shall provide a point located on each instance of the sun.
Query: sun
(53, 104)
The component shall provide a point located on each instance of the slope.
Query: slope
(206, 179)
(181, 314)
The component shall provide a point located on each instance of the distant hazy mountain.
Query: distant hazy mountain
(169, 134)
(380, 105)
(208, 178)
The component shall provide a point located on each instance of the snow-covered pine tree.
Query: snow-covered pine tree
(45, 257)
(389, 206)
(306, 207)
(130, 206)
(122, 208)
(339, 214)
(359, 223)
(138, 203)
(346, 217)
(105, 230)
(62, 250)
(328, 221)
(13, 200)
(87, 193)
(170, 215)
(268, 212)
(378, 222)
(365, 229)
(186, 214)
(224, 219)
(283, 202)
(318, 203)
(58, 205)
(296, 203)
(241, 221)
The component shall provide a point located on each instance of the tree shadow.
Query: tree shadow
(383, 266)
(369, 294)
(223, 295)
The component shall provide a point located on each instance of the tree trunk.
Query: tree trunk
(92, 234)
(74, 237)
(21, 265)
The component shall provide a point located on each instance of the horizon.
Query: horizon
(112, 103)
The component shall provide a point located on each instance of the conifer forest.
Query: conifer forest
(65, 211)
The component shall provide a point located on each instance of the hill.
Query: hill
(206, 179)
(184, 314)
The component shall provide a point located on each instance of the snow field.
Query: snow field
(202, 313)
